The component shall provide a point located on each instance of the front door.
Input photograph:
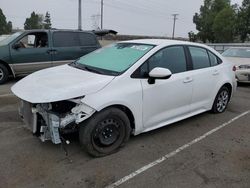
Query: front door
(32, 54)
(167, 100)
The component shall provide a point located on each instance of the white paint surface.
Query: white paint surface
(173, 153)
(59, 83)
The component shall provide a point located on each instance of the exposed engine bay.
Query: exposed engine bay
(49, 120)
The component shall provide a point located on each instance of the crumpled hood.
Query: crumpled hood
(238, 60)
(59, 83)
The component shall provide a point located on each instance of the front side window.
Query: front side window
(113, 59)
(172, 58)
(65, 39)
(34, 40)
(199, 57)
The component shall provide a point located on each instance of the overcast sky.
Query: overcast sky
(139, 17)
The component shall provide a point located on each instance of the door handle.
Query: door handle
(187, 80)
(52, 51)
(216, 72)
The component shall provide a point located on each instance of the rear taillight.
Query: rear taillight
(234, 68)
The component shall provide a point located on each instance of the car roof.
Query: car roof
(165, 42)
(56, 30)
(239, 47)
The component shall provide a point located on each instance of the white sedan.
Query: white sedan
(240, 57)
(126, 88)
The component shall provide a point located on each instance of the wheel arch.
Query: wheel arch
(11, 72)
(126, 110)
(230, 88)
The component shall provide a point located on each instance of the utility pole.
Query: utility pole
(175, 18)
(101, 14)
(80, 15)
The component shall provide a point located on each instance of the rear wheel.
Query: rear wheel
(4, 73)
(221, 100)
(105, 132)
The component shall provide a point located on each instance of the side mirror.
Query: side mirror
(158, 73)
(17, 46)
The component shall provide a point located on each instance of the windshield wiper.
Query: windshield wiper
(90, 69)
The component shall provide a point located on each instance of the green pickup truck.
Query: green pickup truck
(25, 52)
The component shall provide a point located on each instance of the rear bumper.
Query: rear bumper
(243, 75)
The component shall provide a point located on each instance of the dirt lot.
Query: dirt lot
(222, 159)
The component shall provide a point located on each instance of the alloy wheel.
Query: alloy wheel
(1, 74)
(222, 101)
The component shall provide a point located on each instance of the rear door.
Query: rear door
(88, 42)
(205, 76)
(69, 46)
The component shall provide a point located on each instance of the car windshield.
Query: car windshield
(113, 59)
(237, 52)
(8, 39)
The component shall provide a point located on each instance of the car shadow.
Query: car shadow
(241, 84)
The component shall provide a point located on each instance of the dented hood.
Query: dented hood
(59, 83)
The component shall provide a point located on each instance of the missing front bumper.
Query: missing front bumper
(46, 124)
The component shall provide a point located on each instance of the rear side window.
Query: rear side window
(213, 59)
(87, 39)
(66, 39)
(200, 57)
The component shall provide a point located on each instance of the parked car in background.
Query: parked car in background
(240, 57)
(25, 52)
(3, 37)
(126, 88)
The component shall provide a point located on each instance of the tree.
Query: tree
(47, 21)
(5, 28)
(192, 36)
(224, 25)
(205, 19)
(9, 27)
(34, 22)
(243, 21)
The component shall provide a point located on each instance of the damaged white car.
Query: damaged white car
(126, 88)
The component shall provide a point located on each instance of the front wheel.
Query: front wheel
(4, 74)
(105, 132)
(221, 100)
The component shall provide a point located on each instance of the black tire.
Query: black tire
(105, 132)
(4, 74)
(221, 100)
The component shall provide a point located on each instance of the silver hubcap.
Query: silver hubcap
(222, 101)
(1, 74)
